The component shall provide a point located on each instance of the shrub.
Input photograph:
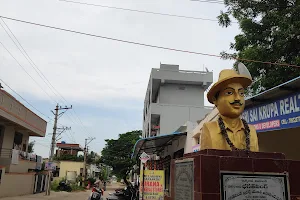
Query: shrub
(54, 185)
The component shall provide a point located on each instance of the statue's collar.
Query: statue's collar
(233, 128)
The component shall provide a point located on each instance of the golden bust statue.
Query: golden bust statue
(229, 132)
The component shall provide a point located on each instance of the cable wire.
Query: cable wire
(44, 145)
(26, 71)
(24, 99)
(30, 61)
(147, 45)
(140, 11)
(34, 66)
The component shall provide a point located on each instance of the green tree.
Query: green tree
(91, 158)
(103, 173)
(270, 31)
(117, 153)
(30, 147)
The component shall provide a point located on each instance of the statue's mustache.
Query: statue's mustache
(236, 102)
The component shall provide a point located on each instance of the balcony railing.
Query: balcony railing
(182, 71)
(5, 153)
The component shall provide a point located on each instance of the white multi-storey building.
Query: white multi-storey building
(174, 97)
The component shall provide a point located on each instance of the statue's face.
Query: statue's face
(231, 101)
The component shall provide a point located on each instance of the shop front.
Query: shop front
(275, 115)
(155, 172)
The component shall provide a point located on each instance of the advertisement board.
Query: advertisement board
(154, 182)
(283, 113)
(50, 166)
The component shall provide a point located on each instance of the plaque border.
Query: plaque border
(285, 176)
(185, 160)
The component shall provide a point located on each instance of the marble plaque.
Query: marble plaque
(184, 179)
(257, 186)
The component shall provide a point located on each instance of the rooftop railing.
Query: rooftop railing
(182, 71)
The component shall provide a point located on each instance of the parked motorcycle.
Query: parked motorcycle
(63, 186)
(117, 195)
(128, 193)
(96, 193)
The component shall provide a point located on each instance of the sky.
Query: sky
(105, 81)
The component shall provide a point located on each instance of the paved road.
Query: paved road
(63, 195)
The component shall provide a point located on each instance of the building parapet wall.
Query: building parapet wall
(14, 111)
(183, 75)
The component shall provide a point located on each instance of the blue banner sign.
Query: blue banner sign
(280, 114)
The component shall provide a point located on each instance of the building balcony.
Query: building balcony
(23, 162)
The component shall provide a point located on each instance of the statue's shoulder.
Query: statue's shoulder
(211, 124)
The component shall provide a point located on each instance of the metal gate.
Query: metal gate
(40, 183)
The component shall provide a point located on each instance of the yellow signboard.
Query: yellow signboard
(154, 182)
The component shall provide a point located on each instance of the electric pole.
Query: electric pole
(87, 141)
(57, 115)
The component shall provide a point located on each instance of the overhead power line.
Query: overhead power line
(148, 45)
(26, 71)
(38, 71)
(43, 145)
(27, 57)
(25, 100)
(140, 11)
(30, 61)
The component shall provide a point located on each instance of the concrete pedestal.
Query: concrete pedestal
(208, 165)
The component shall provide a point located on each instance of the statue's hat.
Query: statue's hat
(226, 77)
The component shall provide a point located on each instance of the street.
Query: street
(64, 195)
